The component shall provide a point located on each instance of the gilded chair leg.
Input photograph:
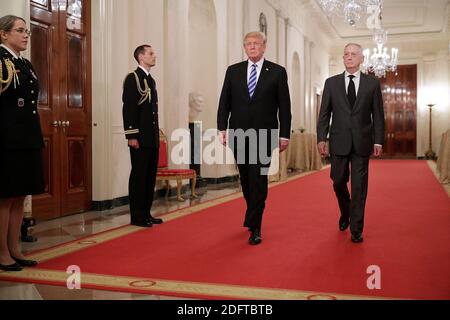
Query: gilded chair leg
(179, 185)
(167, 188)
(193, 183)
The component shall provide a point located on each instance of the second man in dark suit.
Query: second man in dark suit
(140, 119)
(254, 104)
(355, 102)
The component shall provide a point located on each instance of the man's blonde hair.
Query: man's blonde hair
(256, 34)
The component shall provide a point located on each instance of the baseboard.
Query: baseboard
(222, 180)
(110, 204)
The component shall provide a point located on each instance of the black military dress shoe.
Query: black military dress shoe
(145, 224)
(255, 237)
(357, 238)
(154, 220)
(343, 224)
(11, 267)
(25, 263)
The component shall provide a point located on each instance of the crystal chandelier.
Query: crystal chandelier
(350, 10)
(380, 62)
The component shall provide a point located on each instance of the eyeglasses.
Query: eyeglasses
(22, 31)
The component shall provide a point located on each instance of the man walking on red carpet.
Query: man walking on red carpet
(355, 102)
(254, 103)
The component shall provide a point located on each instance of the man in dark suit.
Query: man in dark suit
(357, 131)
(254, 104)
(140, 119)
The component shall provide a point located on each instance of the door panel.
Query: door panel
(61, 55)
(44, 17)
(400, 104)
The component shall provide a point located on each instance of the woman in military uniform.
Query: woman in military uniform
(21, 141)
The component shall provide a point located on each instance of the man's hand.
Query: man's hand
(283, 145)
(377, 151)
(133, 143)
(322, 147)
(223, 137)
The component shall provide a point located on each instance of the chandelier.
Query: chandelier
(380, 62)
(350, 10)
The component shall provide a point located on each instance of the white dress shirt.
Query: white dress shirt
(356, 80)
(259, 66)
(145, 70)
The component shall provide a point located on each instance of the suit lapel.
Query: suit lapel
(243, 78)
(265, 70)
(343, 91)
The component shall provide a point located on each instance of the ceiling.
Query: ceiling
(400, 17)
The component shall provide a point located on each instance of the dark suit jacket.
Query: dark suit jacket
(140, 121)
(361, 126)
(20, 126)
(269, 108)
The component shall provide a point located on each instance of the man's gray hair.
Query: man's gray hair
(351, 44)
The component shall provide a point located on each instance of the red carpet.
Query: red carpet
(407, 234)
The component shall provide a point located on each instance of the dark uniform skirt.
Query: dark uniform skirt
(21, 172)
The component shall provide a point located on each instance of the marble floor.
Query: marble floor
(58, 231)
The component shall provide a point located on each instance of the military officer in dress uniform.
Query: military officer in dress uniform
(21, 141)
(140, 119)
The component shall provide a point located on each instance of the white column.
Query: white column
(307, 90)
(282, 25)
(176, 76)
(102, 131)
(311, 126)
(235, 32)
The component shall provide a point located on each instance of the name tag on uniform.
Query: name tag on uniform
(20, 102)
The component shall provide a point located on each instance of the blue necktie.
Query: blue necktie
(252, 81)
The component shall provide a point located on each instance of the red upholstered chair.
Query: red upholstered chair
(166, 174)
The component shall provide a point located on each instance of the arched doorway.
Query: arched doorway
(203, 57)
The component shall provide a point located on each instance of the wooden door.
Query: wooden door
(400, 105)
(60, 52)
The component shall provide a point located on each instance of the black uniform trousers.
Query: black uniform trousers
(351, 207)
(144, 164)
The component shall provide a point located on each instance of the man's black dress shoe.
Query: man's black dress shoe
(357, 238)
(255, 237)
(25, 263)
(145, 224)
(343, 224)
(11, 267)
(154, 220)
